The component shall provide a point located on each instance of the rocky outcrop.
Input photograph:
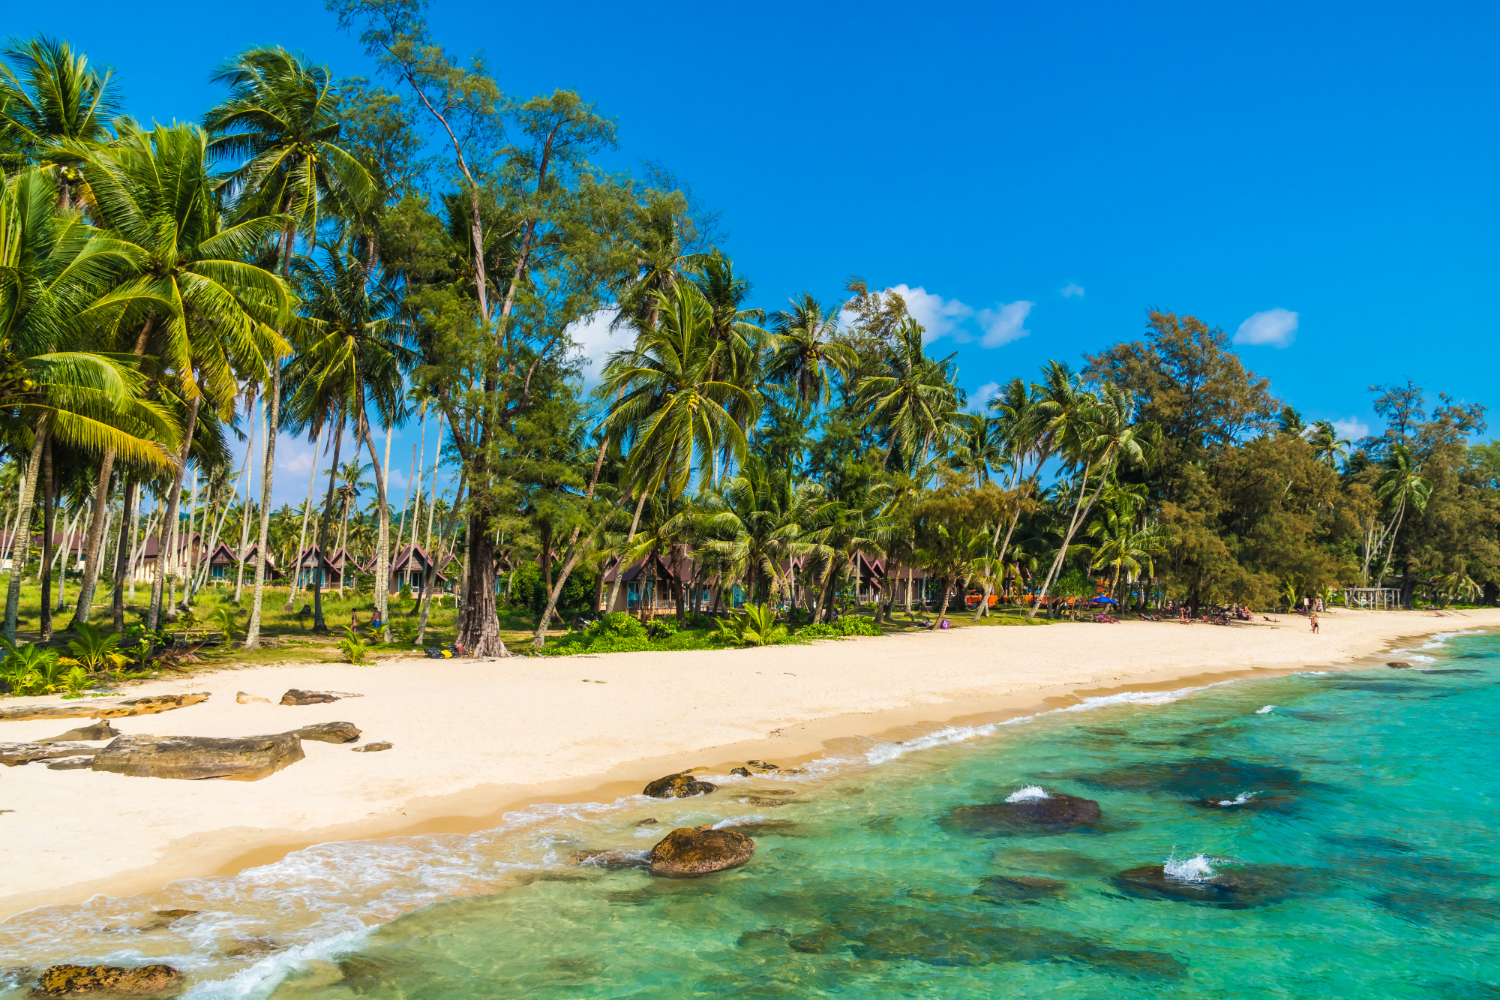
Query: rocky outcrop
(678, 786)
(12, 754)
(375, 747)
(81, 980)
(611, 860)
(70, 764)
(90, 708)
(1057, 813)
(297, 697)
(245, 698)
(688, 852)
(98, 731)
(1231, 889)
(328, 732)
(1399, 665)
(246, 758)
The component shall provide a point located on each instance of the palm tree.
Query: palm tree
(915, 401)
(758, 524)
(212, 315)
(1398, 488)
(656, 256)
(54, 273)
(282, 118)
(1122, 544)
(49, 97)
(1326, 443)
(1096, 434)
(675, 414)
(803, 352)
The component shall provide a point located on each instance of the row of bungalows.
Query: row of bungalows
(408, 569)
(650, 585)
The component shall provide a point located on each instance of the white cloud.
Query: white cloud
(296, 460)
(1004, 324)
(1071, 291)
(1352, 428)
(1277, 327)
(980, 397)
(595, 341)
(939, 317)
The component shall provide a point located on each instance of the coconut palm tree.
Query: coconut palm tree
(281, 121)
(804, 354)
(1326, 443)
(914, 402)
(48, 97)
(1398, 489)
(54, 273)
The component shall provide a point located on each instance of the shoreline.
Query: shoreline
(405, 810)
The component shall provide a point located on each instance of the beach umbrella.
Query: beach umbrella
(1105, 600)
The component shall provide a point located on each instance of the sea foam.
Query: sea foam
(1031, 793)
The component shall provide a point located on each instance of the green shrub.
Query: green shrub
(28, 669)
(355, 649)
(618, 623)
(848, 625)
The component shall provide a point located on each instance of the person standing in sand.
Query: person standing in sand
(1313, 619)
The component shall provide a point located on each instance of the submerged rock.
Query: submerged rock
(761, 766)
(768, 827)
(328, 732)
(247, 758)
(78, 980)
(165, 918)
(1006, 889)
(700, 851)
(611, 860)
(1200, 778)
(740, 772)
(1399, 665)
(1057, 813)
(678, 786)
(1229, 889)
(1249, 802)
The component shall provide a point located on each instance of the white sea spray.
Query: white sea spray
(1031, 793)
(1265, 711)
(1198, 868)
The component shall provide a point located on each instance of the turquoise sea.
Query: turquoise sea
(1322, 834)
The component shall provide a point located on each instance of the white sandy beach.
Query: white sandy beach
(472, 738)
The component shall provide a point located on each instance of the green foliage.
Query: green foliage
(95, 649)
(76, 680)
(226, 619)
(1074, 583)
(845, 626)
(403, 632)
(28, 669)
(355, 649)
(755, 625)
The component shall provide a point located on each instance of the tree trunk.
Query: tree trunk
(480, 631)
(247, 479)
(169, 521)
(571, 557)
(91, 546)
(21, 540)
(295, 588)
(124, 549)
(49, 524)
(320, 626)
(614, 590)
(430, 576)
(383, 530)
(263, 542)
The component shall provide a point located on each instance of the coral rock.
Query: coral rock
(678, 786)
(78, 980)
(689, 852)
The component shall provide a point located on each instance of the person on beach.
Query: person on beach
(1314, 620)
(354, 619)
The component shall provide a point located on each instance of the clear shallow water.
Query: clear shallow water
(1362, 829)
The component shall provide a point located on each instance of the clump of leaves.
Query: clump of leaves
(28, 669)
(848, 625)
(403, 633)
(226, 620)
(96, 650)
(755, 625)
(355, 649)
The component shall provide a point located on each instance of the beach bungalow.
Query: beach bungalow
(409, 569)
(311, 560)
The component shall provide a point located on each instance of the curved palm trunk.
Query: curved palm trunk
(247, 477)
(614, 589)
(21, 538)
(169, 522)
(124, 545)
(430, 576)
(49, 524)
(91, 554)
(383, 529)
(263, 541)
(1080, 514)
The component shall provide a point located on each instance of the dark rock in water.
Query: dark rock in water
(298, 697)
(375, 747)
(1200, 778)
(247, 758)
(165, 918)
(761, 765)
(678, 786)
(328, 732)
(769, 827)
(1247, 802)
(1385, 844)
(764, 800)
(963, 939)
(1058, 813)
(700, 851)
(1421, 907)
(770, 939)
(14, 754)
(78, 980)
(1069, 863)
(819, 942)
(1399, 665)
(740, 772)
(1452, 670)
(612, 860)
(1234, 889)
(1006, 889)
(104, 731)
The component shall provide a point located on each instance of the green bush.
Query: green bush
(848, 625)
(618, 623)
(355, 649)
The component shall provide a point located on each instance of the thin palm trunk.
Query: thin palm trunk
(49, 523)
(294, 589)
(383, 528)
(431, 574)
(123, 546)
(1080, 513)
(247, 479)
(401, 530)
(21, 541)
(614, 590)
(572, 555)
(66, 554)
(158, 585)
(319, 624)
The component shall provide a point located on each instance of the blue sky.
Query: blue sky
(1042, 173)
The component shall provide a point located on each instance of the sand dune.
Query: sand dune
(471, 738)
